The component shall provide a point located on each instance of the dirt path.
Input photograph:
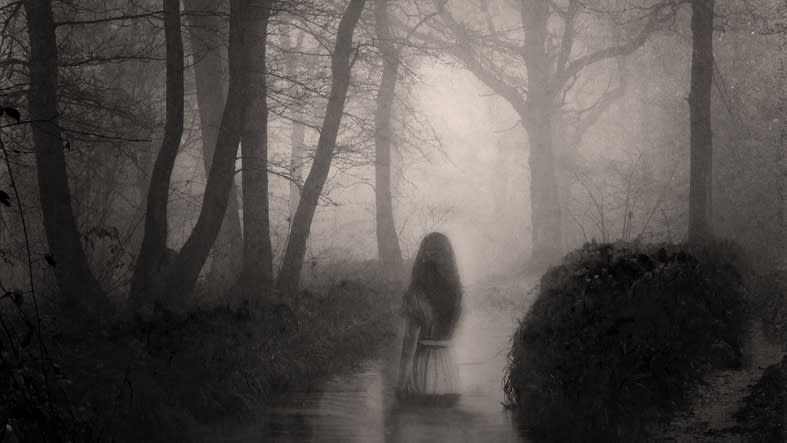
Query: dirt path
(710, 417)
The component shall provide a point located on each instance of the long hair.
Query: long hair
(435, 274)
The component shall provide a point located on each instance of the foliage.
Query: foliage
(619, 333)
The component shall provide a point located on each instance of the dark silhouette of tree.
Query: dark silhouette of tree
(152, 259)
(80, 290)
(341, 64)
(701, 184)
(208, 48)
(186, 266)
(257, 273)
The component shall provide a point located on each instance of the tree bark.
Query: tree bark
(152, 262)
(388, 250)
(257, 274)
(297, 154)
(547, 236)
(700, 187)
(289, 275)
(185, 269)
(80, 290)
(209, 54)
(782, 142)
(298, 129)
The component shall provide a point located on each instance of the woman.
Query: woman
(431, 308)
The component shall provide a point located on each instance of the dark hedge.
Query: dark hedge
(618, 335)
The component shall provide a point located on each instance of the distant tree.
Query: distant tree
(297, 129)
(388, 249)
(700, 210)
(783, 140)
(80, 290)
(534, 74)
(341, 65)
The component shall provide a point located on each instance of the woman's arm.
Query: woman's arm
(409, 343)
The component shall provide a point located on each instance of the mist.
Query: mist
(392, 220)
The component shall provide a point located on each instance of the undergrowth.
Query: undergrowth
(169, 377)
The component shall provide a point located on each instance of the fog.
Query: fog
(226, 201)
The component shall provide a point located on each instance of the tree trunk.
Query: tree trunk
(547, 236)
(257, 274)
(209, 55)
(388, 250)
(185, 269)
(298, 129)
(700, 187)
(782, 141)
(289, 276)
(297, 154)
(152, 262)
(80, 290)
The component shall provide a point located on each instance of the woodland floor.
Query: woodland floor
(711, 415)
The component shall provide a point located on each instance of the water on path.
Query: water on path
(359, 404)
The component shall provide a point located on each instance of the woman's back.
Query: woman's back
(431, 308)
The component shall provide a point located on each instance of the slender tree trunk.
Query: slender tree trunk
(782, 143)
(700, 188)
(257, 274)
(209, 54)
(80, 290)
(298, 129)
(185, 269)
(297, 154)
(388, 250)
(152, 262)
(547, 236)
(289, 275)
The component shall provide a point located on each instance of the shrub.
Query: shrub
(617, 334)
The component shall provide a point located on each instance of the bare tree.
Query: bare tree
(701, 185)
(209, 54)
(341, 65)
(80, 289)
(185, 269)
(298, 128)
(388, 249)
(257, 273)
(551, 68)
(152, 259)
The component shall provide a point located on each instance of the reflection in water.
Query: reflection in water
(359, 405)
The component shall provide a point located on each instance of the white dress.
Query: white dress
(434, 371)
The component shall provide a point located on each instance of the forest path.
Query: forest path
(710, 416)
(359, 405)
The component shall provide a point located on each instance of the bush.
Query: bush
(617, 335)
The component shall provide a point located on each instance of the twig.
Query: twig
(14, 188)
